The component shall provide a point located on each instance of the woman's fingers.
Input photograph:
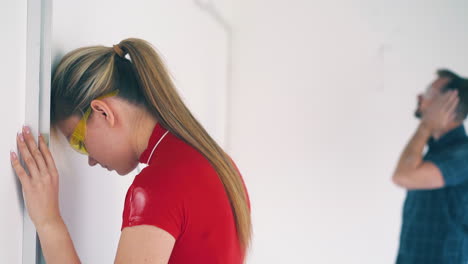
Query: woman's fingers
(28, 159)
(47, 156)
(20, 172)
(34, 150)
(31, 154)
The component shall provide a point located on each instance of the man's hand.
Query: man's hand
(440, 113)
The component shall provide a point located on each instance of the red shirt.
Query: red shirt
(181, 193)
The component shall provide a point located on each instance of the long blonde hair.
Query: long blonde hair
(86, 73)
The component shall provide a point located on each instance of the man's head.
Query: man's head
(446, 81)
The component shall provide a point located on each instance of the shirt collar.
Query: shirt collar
(455, 135)
(158, 132)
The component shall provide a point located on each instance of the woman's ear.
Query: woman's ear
(103, 110)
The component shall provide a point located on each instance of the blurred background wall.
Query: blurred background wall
(321, 107)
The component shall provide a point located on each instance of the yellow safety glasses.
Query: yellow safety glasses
(78, 136)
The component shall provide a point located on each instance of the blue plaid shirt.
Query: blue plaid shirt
(435, 222)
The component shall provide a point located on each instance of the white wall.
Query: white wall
(194, 48)
(322, 104)
(13, 73)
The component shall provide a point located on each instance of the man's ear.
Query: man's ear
(103, 111)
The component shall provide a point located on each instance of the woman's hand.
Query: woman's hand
(40, 186)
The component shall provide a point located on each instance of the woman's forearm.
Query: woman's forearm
(56, 243)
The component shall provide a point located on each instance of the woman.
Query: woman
(189, 205)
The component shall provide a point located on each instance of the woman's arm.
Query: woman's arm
(144, 244)
(40, 188)
(56, 243)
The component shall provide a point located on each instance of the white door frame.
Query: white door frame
(37, 98)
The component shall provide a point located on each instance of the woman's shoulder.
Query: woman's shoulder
(175, 156)
(179, 169)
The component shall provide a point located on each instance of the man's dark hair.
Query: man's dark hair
(461, 85)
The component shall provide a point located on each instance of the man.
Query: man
(435, 213)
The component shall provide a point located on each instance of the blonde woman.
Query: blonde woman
(119, 106)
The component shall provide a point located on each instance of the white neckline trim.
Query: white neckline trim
(156, 146)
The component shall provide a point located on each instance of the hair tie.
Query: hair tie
(119, 51)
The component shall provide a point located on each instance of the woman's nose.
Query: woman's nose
(91, 161)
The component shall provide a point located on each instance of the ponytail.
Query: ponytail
(165, 103)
